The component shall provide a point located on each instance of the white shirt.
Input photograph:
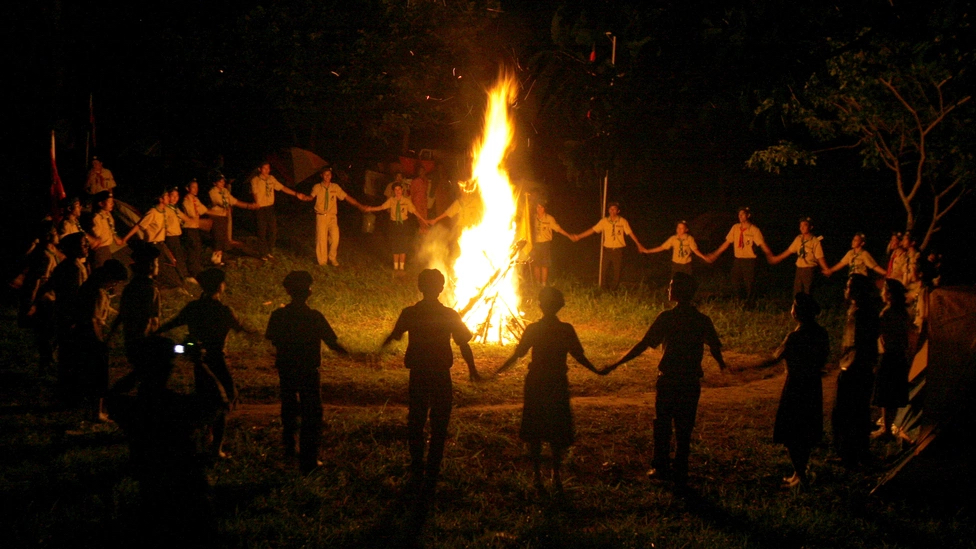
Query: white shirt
(613, 231)
(743, 240)
(326, 197)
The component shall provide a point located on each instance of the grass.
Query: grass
(75, 490)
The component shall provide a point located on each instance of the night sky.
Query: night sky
(673, 121)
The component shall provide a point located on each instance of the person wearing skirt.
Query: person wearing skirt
(546, 416)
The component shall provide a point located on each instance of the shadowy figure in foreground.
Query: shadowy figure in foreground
(297, 332)
(891, 384)
(429, 357)
(163, 429)
(851, 417)
(546, 415)
(799, 419)
(209, 321)
(683, 331)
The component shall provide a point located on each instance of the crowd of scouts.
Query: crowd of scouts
(73, 273)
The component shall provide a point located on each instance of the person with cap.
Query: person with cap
(682, 331)
(809, 255)
(70, 217)
(297, 332)
(263, 187)
(743, 237)
(857, 260)
(613, 229)
(543, 225)
(682, 245)
(400, 209)
(104, 237)
(89, 336)
(429, 358)
(99, 178)
(799, 418)
(208, 323)
(546, 415)
(326, 195)
(192, 209)
(222, 203)
(153, 228)
(140, 307)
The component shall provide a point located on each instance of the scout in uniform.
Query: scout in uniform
(809, 255)
(263, 187)
(153, 227)
(743, 237)
(103, 229)
(326, 195)
(192, 210)
(613, 228)
(541, 255)
(682, 245)
(858, 260)
(71, 217)
(221, 204)
(99, 178)
(400, 207)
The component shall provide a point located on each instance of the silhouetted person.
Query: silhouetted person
(66, 281)
(163, 428)
(546, 415)
(297, 332)
(799, 418)
(429, 357)
(37, 297)
(682, 331)
(89, 336)
(140, 307)
(208, 322)
(891, 384)
(851, 417)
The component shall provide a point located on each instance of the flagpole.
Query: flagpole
(599, 278)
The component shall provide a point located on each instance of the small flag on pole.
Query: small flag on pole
(57, 188)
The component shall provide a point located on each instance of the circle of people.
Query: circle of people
(72, 275)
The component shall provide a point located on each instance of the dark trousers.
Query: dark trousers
(169, 275)
(613, 261)
(176, 247)
(803, 281)
(194, 251)
(744, 278)
(267, 226)
(301, 397)
(681, 268)
(676, 404)
(431, 394)
(851, 417)
(221, 232)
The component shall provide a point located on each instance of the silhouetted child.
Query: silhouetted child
(546, 415)
(429, 357)
(163, 428)
(297, 332)
(799, 418)
(683, 331)
(89, 341)
(208, 322)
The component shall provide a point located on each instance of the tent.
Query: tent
(939, 420)
(295, 165)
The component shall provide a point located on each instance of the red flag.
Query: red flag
(57, 188)
(593, 54)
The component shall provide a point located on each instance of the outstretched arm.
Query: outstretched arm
(718, 251)
(716, 351)
(581, 358)
(774, 259)
(469, 360)
(631, 355)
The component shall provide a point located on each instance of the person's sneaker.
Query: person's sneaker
(657, 474)
(333, 262)
(192, 280)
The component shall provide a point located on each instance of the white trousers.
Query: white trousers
(326, 238)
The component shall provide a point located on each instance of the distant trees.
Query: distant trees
(900, 94)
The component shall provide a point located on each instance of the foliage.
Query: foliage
(902, 100)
